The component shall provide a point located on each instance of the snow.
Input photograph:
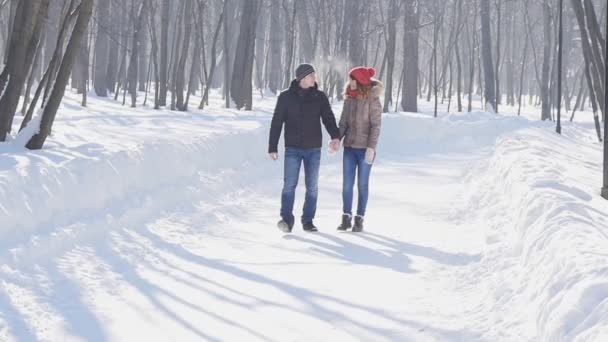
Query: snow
(136, 224)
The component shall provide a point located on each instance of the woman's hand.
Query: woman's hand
(370, 155)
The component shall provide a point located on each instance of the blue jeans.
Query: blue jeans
(354, 162)
(294, 157)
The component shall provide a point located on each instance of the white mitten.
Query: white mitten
(370, 155)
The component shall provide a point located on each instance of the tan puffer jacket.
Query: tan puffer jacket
(361, 119)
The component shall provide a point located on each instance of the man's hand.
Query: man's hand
(274, 156)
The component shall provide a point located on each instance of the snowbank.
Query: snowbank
(410, 134)
(99, 159)
(543, 271)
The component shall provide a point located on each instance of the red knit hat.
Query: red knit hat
(362, 74)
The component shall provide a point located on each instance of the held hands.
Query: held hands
(334, 146)
(370, 155)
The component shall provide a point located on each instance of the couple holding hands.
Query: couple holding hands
(301, 109)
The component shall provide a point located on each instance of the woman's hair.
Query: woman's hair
(362, 89)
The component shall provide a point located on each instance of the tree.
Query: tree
(183, 49)
(605, 180)
(164, 48)
(355, 41)
(23, 42)
(306, 44)
(241, 84)
(213, 59)
(134, 60)
(50, 109)
(275, 46)
(101, 48)
(544, 88)
(486, 50)
(289, 39)
(409, 99)
(393, 13)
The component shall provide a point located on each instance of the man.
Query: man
(301, 108)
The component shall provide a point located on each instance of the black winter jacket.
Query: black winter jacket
(302, 110)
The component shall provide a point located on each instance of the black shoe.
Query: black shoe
(358, 227)
(309, 227)
(285, 226)
(346, 222)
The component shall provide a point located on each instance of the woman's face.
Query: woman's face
(353, 84)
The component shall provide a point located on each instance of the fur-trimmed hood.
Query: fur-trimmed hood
(376, 90)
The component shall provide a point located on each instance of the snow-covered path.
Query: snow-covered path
(197, 255)
(221, 270)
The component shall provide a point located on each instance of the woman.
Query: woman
(360, 129)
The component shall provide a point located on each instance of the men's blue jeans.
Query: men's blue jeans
(294, 158)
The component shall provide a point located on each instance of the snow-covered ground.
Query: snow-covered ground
(143, 225)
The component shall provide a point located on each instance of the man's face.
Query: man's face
(308, 81)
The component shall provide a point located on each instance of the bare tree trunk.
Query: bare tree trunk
(486, 51)
(521, 74)
(458, 59)
(121, 71)
(592, 99)
(436, 24)
(181, 67)
(24, 41)
(355, 20)
(274, 77)
(409, 97)
(51, 68)
(458, 79)
(175, 53)
(390, 53)
(497, 65)
(202, 69)
(30, 82)
(472, 56)
(52, 27)
(306, 44)
(227, 57)
(114, 48)
(399, 89)
(342, 48)
(581, 93)
(289, 50)
(213, 59)
(84, 64)
(142, 54)
(596, 86)
(101, 48)
(241, 84)
(510, 52)
(134, 60)
(196, 59)
(154, 52)
(597, 42)
(164, 49)
(260, 48)
(50, 109)
(544, 88)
